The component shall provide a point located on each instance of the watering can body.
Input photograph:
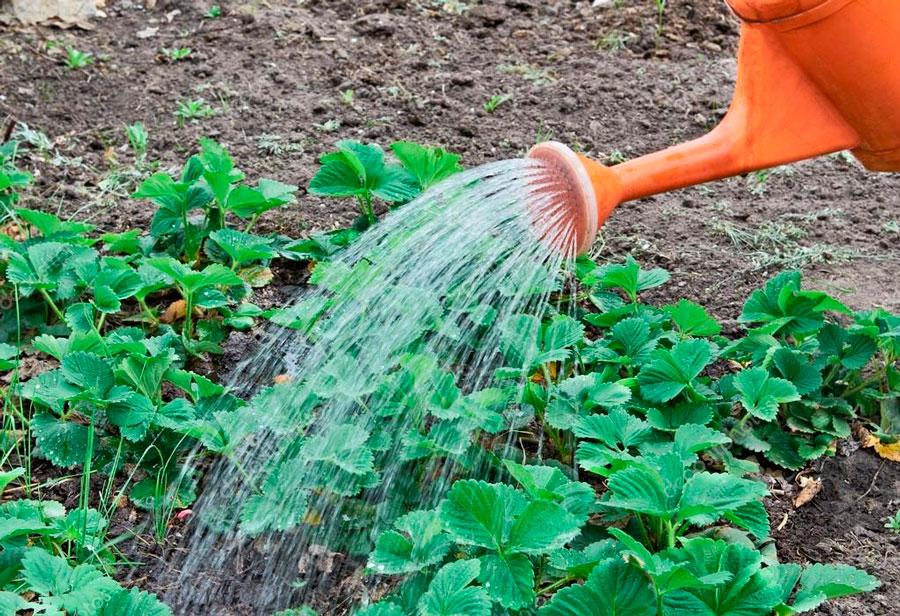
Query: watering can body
(814, 77)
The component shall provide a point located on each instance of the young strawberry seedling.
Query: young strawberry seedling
(176, 54)
(77, 60)
(192, 110)
(491, 104)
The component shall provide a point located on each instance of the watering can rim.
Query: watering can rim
(787, 14)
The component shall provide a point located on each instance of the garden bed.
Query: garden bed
(600, 78)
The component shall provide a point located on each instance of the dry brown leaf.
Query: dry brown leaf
(809, 487)
(109, 156)
(784, 522)
(15, 232)
(889, 451)
(316, 558)
(148, 32)
(312, 517)
(60, 13)
(174, 312)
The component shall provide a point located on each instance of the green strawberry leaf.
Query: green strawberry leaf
(135, 602)
(692, 319)
(630, 278)
(78, 590)
(741, 587)
(548, 483)
(706, 497)
(580, 563)
(281, 505)
(64, 443)
(761, 394)
(6, 477)
(614, 588)
(782, 307)
(90, 372)
(819, 583)
(694, 438)
(671, 372)
(480, 514)
(579, 395)
(795, 367)
(427, 165)
(450, 593)
(508, 579)
(243, 248)
(540, 527)
(218, 170)
(11, 603)
(418, 544)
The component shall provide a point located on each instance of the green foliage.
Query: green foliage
(210, 185)
(138, 138)
(177, 53)
(674, 372)
(12, 179)
(428, 166)
(417, 543)
(640, 501)
(360, 171)
(191, 110)
(76, 60)
(491, 104)
(893, 522)
(82, 590)
(613, 588)
(634, 402)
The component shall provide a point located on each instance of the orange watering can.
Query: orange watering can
(814, 77)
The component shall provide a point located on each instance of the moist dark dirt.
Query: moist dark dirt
(599, 76)
(844, 523)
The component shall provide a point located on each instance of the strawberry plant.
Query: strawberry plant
(12, 179)
(56, 587)
(360, 171)
(199, 289)
(76, 60)
(31, 532)
(641, 499)
(210, 188)
(191, 110)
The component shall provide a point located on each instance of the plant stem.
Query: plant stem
(84, 497)
(365, 203)
(852, 390)
(52, 304)
(148, 313)
(670, 534)
(252, 222)
(643, 529)
(557, 585)
(188, 313)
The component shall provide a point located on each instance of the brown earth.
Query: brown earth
(600, 78)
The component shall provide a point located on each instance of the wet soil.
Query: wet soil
(845, 523)
(599, 76)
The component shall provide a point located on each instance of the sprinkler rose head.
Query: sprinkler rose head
(567, 213)
(578, 195)
(813, 77)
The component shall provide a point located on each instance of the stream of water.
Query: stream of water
(321, 464)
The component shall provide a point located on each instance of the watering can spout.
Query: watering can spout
(814, 77)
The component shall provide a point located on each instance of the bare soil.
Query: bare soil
(601, 78)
